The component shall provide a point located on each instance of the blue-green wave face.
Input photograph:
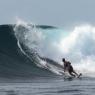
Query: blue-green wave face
(51, 42)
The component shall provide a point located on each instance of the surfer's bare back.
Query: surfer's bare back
(68, 67)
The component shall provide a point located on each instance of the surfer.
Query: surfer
(68, 67)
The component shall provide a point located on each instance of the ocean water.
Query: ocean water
(31, 59)
(49, 86)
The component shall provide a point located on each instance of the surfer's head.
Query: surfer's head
(63, 59)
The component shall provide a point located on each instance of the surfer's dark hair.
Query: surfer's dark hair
(63, 59)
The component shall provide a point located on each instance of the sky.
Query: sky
(48, 12)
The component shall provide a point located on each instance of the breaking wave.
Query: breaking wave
(36, 50)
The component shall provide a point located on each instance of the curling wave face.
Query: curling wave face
(19, 55)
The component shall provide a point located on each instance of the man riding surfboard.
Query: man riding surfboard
(68, 67)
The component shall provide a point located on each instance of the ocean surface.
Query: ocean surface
(49, 86)
(30, 60)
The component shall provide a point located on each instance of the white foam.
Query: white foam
(78, 46)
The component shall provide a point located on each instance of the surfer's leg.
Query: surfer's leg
(75, 73)
(71, 73)
(70, 70)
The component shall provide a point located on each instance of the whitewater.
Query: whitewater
(76, 45)
(31, 59)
